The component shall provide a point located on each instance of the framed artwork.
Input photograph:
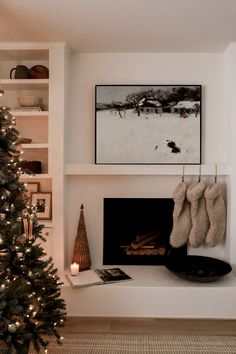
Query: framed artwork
(31, 187)
(143, 124)
(43, 203)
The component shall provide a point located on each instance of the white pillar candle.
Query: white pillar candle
(74, 269)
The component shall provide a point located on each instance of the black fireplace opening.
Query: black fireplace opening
(137, 231)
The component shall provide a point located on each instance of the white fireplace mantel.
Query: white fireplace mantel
(168, 170)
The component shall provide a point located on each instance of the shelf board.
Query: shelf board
(8, 53)
(41, 114)
(29, 84)
(35, 146)
(175, 170)
(35, 177)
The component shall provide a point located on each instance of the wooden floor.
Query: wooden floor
(150, 326)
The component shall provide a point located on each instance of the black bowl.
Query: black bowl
(198, 268)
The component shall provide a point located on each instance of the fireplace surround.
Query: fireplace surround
(137, 231)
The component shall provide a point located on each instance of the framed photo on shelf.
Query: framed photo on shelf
(43, 203)
(148, 124)
(31, 187)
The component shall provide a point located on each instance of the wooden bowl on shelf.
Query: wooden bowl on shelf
(198, 268)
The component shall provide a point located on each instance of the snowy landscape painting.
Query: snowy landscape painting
(141, 124)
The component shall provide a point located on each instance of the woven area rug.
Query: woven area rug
(107, 343)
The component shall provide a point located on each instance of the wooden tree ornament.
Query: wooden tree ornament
(81, 249)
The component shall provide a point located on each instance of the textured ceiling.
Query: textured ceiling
(122, 25)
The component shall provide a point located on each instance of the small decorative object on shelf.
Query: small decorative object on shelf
(36, 72)
(29, 101)
(39, 72)
(20, 71)
(32, 166)
(81, 249)
(25, 140)
(74, 269)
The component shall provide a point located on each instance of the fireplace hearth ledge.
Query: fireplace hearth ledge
(153, 292)
(159, 276)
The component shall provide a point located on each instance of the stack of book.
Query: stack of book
(97, 276)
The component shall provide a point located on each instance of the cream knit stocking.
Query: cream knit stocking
(181, 217)
(200, 222)
(217, 214)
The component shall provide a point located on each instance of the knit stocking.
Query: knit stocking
(217, 214)
(195, 195)
(181, 217)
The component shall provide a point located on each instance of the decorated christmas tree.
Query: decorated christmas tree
(31, 308)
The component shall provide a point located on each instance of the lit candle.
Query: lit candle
(74, 269)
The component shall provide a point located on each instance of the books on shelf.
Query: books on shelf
(85, 278)
(112, 275)
(96, 277)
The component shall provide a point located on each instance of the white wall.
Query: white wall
(230, 89)
(87, 70)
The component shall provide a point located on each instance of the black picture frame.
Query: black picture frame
(148, 124)
(43, 203)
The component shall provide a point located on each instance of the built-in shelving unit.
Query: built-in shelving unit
(40, 126)
(30, 123)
